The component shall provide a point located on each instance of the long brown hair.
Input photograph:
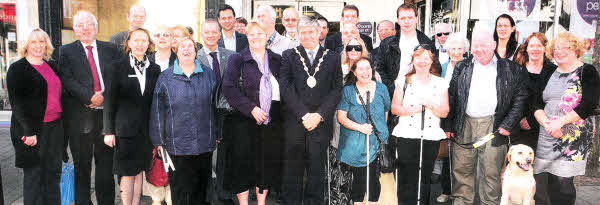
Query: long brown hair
(522, 56)
(433, 69)
(351, 78)
(150, 43)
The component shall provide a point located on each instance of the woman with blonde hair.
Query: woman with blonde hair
(564, 110)
(255, 162)
(36, 132)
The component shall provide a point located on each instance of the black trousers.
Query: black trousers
(445, 176)
(359, 183)
(552, 189)
(84, 148)
(305, 150)
(220, 156)
(41, 183)
(189, 181)
(408, 169)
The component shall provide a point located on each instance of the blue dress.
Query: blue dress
(352, 144)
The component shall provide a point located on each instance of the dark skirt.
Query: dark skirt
(132, 155)
(255, 151)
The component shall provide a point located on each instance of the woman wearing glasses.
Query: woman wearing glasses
(564, 110)
(340, 175)
(505, 35)
(164, 55)
(419, 106)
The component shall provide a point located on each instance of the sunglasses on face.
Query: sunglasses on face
(444, 33)
(357, 48)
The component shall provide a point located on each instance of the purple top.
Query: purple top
(53, 106)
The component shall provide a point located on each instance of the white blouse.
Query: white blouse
(410, 126)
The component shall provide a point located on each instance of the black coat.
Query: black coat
(126, 109)
(389, 55)
(334, 42)
(78, 83)
(300, 99)
(510, 91)
(28, 93)
(241, 42)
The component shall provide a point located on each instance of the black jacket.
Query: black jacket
(334, 42)
(126, 109)
(300, 99)
(510, 91)
(78, 83)
(28, 93)
(241, 42)
(388, 58)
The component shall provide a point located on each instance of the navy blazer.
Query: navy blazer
(241, 83)
(241, 42)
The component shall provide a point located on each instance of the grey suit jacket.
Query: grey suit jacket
(224, 54)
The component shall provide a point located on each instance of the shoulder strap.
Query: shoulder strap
(366, 106)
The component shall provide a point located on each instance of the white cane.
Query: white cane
(328, 179)
(421, 155)
(368, 156)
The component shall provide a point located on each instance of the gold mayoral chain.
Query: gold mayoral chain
(311, 81)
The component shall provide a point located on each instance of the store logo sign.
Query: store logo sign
(588, 10)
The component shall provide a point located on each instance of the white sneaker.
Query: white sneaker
(443, 198)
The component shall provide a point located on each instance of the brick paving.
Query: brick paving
(12, 180)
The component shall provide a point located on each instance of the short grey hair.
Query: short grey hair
(269, 9)
(82, 14)
(210, 20)
(382, 22)
(457, 38)
(307, 21)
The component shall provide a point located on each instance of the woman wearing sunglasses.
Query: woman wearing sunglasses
(341, 177)
(164, 55)
(419, 106)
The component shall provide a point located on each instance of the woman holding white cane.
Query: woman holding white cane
(352, 148)
(418, 131)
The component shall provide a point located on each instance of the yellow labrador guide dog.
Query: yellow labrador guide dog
(518, 185)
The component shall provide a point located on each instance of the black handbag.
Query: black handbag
(385, 159)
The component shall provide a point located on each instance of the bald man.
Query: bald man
(136, 18)
(290, 22)
(486, 96)
(442, 31)
(385, 29)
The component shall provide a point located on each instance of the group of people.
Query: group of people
(302, 114)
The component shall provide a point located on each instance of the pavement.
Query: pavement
(12, 177)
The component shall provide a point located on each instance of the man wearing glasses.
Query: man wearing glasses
(290, 22)
(442, 31)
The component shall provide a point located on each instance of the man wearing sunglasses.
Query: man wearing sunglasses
(395, 53)
(442, 31)
(349, 18)
(136, 18)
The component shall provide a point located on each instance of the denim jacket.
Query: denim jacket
(183, 118)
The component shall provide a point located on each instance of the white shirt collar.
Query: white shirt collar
(225, 36)
(207, 51)
(93, 44)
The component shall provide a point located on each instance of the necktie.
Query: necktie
(215, 65)
(92, 63)
(311, 56)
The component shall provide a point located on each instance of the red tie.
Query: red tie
(92, 63)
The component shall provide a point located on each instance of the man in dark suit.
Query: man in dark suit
(311, 86)
(216, 58)
(231, 39)
(395, 53)
(349, 17)
(82, 65)
(136, 18)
